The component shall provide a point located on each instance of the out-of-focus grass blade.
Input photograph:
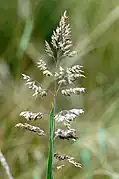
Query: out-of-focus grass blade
(51, 150)
(86, 158)
(36, 175)
(102, 140)
(25, 38)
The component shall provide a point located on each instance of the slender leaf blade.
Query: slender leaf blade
(51, 150)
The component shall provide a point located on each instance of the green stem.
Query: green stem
(51, 146)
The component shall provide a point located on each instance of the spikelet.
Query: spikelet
(69, 91)
(73, 73)
(61, 76)
(38, 91)
(68, 158)
(48, 50)
(29, 127)
(61, 38)
(66, 134)
(69, 75)
(31, 115)
(66, 116)
(43, 67)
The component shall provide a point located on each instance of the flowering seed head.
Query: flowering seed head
(61, 38)
(60, 47)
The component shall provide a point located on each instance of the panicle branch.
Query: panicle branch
(33, 85)
(67, 116)
(29, 127)
(68, 158)
(43, 67)
(70, 91)
(70, 75)
(31, 115)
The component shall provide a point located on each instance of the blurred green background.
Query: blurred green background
(24, 26)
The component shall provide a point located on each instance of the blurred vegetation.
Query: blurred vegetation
(24, 25)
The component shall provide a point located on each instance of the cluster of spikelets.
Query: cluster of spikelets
(60, 47)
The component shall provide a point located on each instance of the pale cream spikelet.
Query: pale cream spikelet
(68, 75)
(43, 67)
(63, 82)
(70, 91)
(31, 115)
(61, 75)
(74, 73)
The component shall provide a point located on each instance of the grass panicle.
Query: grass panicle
(64, 81)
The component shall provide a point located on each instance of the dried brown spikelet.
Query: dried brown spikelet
(43, 67)
(66, 134)
(38, 91)
(61, 38)
(31, 115)
(29, 127)
(69, 91)
(68, 158)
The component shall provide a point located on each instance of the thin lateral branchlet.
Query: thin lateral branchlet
(29, 127)
(38, 91)
(49, 50)
(68, 158)
(70, 91)
(66, 134)
(31, 115)
(43, 67)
